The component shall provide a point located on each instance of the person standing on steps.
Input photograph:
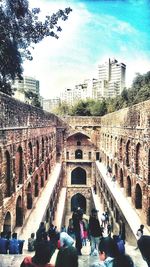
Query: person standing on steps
(94, 230)
(78, 226)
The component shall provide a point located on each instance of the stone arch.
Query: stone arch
(78, 176)
(19, 165)
(42, 178)
(37, 154)
(43, 149)
(138, 197)
(29, 196)
(36, 186)
(137, 158)
(8, 174)
(120, 149)
(0, 163)
(7, 223)
(30, 157)
(78, 200)
(128, 153)
(47, 152)
(128, 189)
(78, 154)
(148, 216)
(19, 212)
(121, 178)
(149, 166)
(116, 171)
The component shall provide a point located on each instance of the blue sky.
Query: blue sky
(95, 31)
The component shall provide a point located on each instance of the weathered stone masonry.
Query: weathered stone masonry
(28, 153)
(32, 141)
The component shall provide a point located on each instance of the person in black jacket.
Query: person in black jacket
(94, 230)
(144, 247)
(77, 223)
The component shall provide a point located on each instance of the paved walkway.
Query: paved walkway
(39, 210)
(128, 211)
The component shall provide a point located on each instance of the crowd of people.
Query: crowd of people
(10, 244)
(69, 241)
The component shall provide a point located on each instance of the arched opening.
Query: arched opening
(128, 153)
(19, 212)
(78, 154)
(46, 146)
(37, 154)
(121, 178)
(36, 187)
(128, 190)
(29, 197)
(78, 200)
(30, 155)
(116, 171)
(42, 178)
(149, 166)
(120, 149)
(8, 175)
(0, 163)
(19, 165)
(7, 223)
(78, 176)
(148, 216)
(137, 159)
(42, 149)
(138, 197)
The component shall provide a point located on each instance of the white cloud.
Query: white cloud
(84, 42)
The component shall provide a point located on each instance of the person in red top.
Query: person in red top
(43, 253)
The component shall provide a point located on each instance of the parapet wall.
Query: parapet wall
(135, 116)
(14, 113)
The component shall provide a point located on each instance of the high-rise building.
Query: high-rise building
(113, 75)
(50, 104)
(26, 84)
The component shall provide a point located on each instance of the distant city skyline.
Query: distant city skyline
(95, 31)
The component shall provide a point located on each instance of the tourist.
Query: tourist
(43, 253)
(3, 244)
(141, 230)
(40, 231)
(31, 242)
(94, 231)
(103, 219)
(123, 261)
(144, 247)
(107, 252)
(120, 244)
(70, 231)
(13, 245)
(67, 257)
(78, 228)
(66, 240)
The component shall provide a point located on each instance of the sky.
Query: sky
(95, 31)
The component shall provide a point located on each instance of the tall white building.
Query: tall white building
(25, 85)
(112, 75)
(67, 96)
(50, 104)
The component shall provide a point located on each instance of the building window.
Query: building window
(67, 155)
(89, 155)
(78, 154)
(78, 143)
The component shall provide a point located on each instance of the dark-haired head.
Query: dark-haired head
(123, 261)
(109, 247)
(43, 252)
(67, 257)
